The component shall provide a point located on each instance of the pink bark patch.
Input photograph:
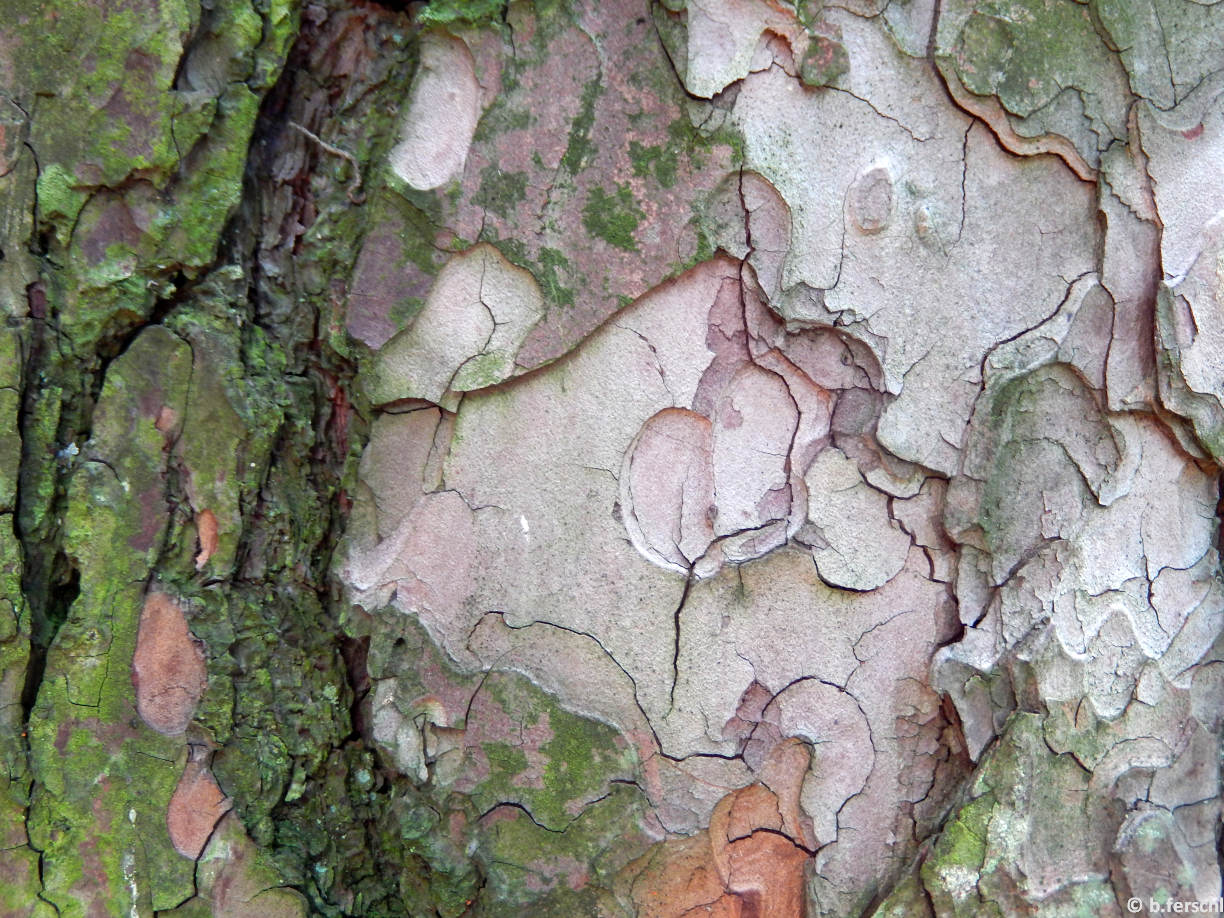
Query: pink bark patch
(168, 669)
(751, 460)
(669, 489)
(196, 806)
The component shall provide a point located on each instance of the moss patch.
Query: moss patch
(500, 191)
(580, 149)
(614, 218)
(463, 12)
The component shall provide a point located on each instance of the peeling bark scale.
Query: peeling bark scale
(620, 458)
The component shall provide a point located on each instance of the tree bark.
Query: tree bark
(724, 457)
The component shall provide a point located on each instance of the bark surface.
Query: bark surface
(622, 458)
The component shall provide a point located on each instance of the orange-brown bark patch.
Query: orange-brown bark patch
(767, 875)
(168, 669)
(748, 864)
(206, 532)
(676, 879)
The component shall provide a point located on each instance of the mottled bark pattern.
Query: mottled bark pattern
(610, 457)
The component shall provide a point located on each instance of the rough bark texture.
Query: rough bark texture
(725, 457)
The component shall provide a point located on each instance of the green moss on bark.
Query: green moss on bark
(614, 217)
